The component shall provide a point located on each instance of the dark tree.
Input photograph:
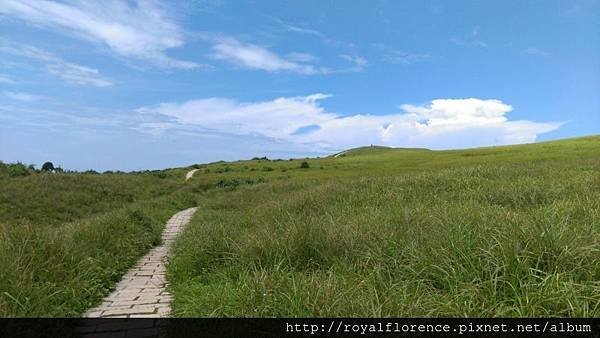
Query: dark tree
(304, 165)
(48, 166)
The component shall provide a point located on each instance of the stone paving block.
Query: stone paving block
(142, 291)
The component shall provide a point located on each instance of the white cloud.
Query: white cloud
(138, 29)
(275, 119)
(69, 72)
(405, 58)
(301, 57)
(301, 30)
(442, 124)
(252, 56)
(532, 50)
(313, 32)
(79, 75)
(6, 79)
(359, 62)
(470, 39)
(22, 96)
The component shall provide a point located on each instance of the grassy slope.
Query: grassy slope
(496, 231)
(507, 231)
(65, 239)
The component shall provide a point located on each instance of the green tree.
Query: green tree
(48, 166)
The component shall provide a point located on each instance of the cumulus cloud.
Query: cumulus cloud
(252, 56)
(67, 71)
(140, 29)
(441, 124)
(278, 118)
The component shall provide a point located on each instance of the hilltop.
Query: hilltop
(373, 149)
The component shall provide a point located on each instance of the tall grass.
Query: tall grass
(65, 239)
(505, 231)
(51, 199)
(509, 231)
(63, 270)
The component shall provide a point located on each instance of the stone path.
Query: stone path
(142, 291)
(190, 174)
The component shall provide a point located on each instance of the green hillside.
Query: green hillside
(499, 231)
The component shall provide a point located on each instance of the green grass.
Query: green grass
(500, 231)
(51, 199)
(66, 239)
(507, 231)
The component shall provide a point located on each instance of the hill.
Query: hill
(498, 231)
(373, 149)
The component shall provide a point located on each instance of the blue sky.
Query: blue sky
(140, 85)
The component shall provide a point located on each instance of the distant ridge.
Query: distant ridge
(373, 149)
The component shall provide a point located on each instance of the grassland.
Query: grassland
(65, 239)
(504, 231)
(507, 231)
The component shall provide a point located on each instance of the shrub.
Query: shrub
(160, 174)
(304, 165)
(267, 169)
(223, 169)
(228, 183)
(17, 169)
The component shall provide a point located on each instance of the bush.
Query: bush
(304, 165)
(234, 182)
(160, 174)
(267, 169)
(17, 169)
(224, 169)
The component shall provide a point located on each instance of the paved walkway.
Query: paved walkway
(190, 173)
(142, 291)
